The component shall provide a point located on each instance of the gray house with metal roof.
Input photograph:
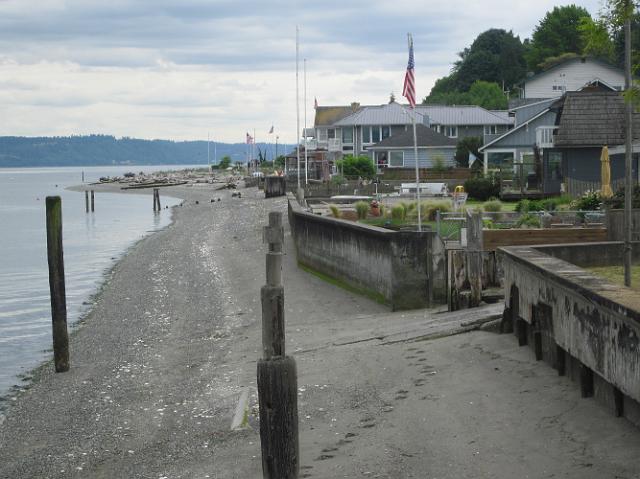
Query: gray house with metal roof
(397, 151)
(355, 131)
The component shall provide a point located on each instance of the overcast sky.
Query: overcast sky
(179, 69)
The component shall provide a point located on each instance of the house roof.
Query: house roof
(425, 136)
(570, 60)
(593, 118)
(328, 115)
(390, 114)
(464, 115)
(394, 113)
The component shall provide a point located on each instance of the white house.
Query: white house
(573, 74)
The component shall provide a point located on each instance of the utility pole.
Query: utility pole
(628, 189)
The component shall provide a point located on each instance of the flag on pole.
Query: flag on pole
(271, 130)
(409, 90)
(315, 103)
(249, 139)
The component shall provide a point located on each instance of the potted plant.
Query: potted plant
(375, 208)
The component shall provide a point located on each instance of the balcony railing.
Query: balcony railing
(544, 136)
(335, 144)
(311, 144)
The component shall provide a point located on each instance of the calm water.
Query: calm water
(91, 244)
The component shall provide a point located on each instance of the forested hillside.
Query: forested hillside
(90, 150)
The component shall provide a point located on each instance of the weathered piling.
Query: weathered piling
(474, 257)
(56, 284)
(158, 198)
(86, 200)
(93, 202)
(277, 378)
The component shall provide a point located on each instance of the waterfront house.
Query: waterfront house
(397, 151)
(557, 149)
(586, 122)
(571, 74)
(355, 129)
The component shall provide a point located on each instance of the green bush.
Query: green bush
(547, 204)
(338, 180)
(589, 201)
(528, 221)
(493, 206)
(482, 189)
(362, 208)
(335, 211)
(356, 166)
(398, 212)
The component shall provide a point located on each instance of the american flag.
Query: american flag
(271, 130)
(249, 139)
(409, 90)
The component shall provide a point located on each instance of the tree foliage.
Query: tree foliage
(469, 144)
(356, 166)
(557, 33)
(224, 163)
(496, 57)
(482, 93)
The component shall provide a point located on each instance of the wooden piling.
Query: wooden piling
(86, 200)
(561, 365)
(93, 202)
(277, 379)
(158, 198)
(586, 381)
(474, 257)
(55, 258)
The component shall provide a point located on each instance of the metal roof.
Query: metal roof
(425, 137)
(390, 114)
(464, 115)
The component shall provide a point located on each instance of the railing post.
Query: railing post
(474, 257)
(277, 377)
(55, 258)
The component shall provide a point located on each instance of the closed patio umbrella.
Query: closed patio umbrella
(605, 173)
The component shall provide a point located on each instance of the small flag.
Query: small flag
(315, 103)
(271, 130)
(472, 159)
(249, 139)
(409, 90)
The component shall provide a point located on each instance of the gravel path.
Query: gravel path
(173, 338)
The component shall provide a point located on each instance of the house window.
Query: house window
(382, 159)
(331, 133)
(322, 134)
(347, 135)
(396, 158)
(386, 131)
(491, 129)
(450, 131)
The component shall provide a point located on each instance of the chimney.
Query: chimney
(355, 105)
(392, 98)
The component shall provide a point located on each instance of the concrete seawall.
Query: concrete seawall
(406, 270)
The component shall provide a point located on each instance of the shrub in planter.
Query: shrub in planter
(362, 208)
(589, 201)
(428, 209)
(494, 206)
(335, 211)
(398, 212)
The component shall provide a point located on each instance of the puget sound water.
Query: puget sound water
(92, 242)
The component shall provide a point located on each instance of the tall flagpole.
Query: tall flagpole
(306, 158)
(208, 161)
(298, 103)
(415, 148)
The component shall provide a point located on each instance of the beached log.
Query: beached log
(56, 284)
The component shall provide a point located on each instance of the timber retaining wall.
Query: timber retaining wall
(584, 326)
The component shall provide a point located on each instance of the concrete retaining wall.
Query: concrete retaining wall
(407, 270)
(579, 323)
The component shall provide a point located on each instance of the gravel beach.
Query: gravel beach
(172, 340)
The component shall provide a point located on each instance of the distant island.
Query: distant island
(101, 150)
